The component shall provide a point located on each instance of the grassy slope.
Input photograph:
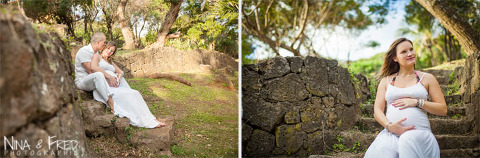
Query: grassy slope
(206, 116)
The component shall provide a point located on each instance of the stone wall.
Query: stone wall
(37, 93)
(296, 106)
(169, 60)
(471, 80)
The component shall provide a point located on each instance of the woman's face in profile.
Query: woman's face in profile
(405, 54)
(108, 51)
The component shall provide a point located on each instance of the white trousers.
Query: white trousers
(95, 81)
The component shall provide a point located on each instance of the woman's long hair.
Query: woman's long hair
(389, 66)
(111, 44)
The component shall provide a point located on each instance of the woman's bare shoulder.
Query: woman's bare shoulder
(425, 75)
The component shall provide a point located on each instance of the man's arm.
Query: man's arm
(87, 67)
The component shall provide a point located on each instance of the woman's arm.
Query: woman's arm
(95, 68)
(118, 71)
(437, 106)
(379, 106)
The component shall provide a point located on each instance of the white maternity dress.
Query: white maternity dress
(419, 142)
(127, 102)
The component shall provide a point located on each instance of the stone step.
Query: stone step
(98, 121)
(438, 126)
(444, 141)
(453, 112)
(448, 153)
(84, 95)
(341, 154)
(453, 99)
(473, 152)
(367, 111)
(438, 72)
(443, 80)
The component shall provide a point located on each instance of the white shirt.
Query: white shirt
(84, 54)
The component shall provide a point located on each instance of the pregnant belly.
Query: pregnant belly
(415, 117)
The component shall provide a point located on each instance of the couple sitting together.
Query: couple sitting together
(96, 72)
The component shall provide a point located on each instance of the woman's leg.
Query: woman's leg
(123, 83)
(384, 145)
(418, 143)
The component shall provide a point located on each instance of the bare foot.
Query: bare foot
(160, 124)
(110, 104)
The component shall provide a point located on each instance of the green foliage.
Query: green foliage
(356, 83)
(372, 44)
(279, 23)
(456, 116)
(372, 85)
(151, 37)
(367, 66)
(247, 49)
(453, 88)
(129, 131)
(340, 147)
(451, 77)
(210, 26)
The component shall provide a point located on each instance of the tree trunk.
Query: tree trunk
(20, 7)
(450, 19)
(469, 39)
(109, 28)
(123, 22)
(170, 18)
(108, 13)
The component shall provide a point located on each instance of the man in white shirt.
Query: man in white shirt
(85, 78)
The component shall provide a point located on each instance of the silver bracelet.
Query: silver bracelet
(386, 126)
(421, 103)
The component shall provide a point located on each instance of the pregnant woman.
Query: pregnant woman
(404, 91)
(127, 102)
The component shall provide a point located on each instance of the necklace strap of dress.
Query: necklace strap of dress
(394, 77)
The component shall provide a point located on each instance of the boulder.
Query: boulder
(290, 138)
(37, 87)
(272, 68)
(156, 139)
(261, 145)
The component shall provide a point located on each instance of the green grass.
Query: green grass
(206, 114)
(367, 66)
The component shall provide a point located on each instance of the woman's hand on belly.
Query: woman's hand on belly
(404, 103)
(398, 129)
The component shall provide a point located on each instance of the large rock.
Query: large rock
(296, 64)
(275, 67)
(264, 115)
(251, 82)
(261, 145)
(156, 139)
(290, 138)
(289, 88)
(37, 86)
(96, 118)
(316, 76)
